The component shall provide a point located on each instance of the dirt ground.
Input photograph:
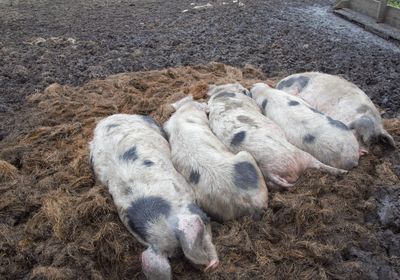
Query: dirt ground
(57, 223)
(71, 42)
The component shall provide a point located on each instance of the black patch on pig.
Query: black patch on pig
(238, 138)
(363, 123)
(309, 139)
(111, 126)
(148, 163)
(315, 111)
(293, 103)
(130, 155)
(337, 123)
(246, 120)
(149, 120)
(232, 104)
(194, 177)
(145, 210)
(245, 176)
(286, 83)
(126, 191)
(301, 81)
(190, 121)
(248, 93)
(194, 209)
(363, 109)
(225, 94)
(163, 134)
(264, 104)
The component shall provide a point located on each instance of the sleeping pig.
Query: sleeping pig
(327, 139)
(343, 101)
(226, 185)
(131, 157)
(237, 121)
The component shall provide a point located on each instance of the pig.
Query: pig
(328, 140)
(132, 158)
(343, 101)
(226, 185)
(236, 119)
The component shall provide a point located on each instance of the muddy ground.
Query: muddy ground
(57, 223)
(70, 42)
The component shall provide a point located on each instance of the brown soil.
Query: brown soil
(57, 223)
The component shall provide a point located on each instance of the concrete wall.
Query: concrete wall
(366, 7)
(371, 7)
(393, 17)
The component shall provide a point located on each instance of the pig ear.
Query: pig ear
(155, 265)
(182, 101)
(196, 242)
(190, 231)
(387, 141)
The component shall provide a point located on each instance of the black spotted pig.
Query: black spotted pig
(237, 121)
(327, 139)
(342, 100)
(226, 185)
(132, 158)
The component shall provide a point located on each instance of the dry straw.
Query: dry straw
(58, 223)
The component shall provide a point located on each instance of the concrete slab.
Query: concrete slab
(370, 24)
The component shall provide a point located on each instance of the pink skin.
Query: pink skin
(363, 152)
(193, 229)
(212, 265)
(155, 264)
(297, 92)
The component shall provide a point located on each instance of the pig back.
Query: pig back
(327, 139)
(332, 95)
(244, 128)
(131, 157)
(225, 185)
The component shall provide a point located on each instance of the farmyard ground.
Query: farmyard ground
(57, 223)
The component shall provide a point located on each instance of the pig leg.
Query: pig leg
(387, 140)
(155, 265)
(212, 265)
(331, 170)
(363, 152)
(277, 180)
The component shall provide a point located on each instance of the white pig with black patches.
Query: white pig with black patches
(343, 101)
(237, 121)
(130, 155)
(327, 139)
(226, 185)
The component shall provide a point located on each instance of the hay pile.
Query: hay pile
(57, 223)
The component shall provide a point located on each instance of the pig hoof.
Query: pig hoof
(212, 265)
(280, 181)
